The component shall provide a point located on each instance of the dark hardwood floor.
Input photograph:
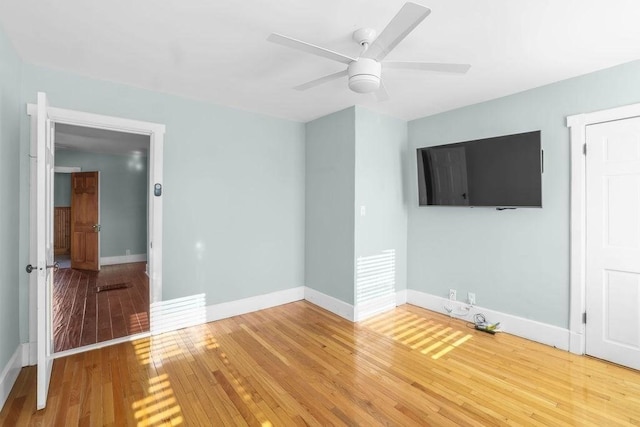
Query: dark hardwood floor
(83, 316)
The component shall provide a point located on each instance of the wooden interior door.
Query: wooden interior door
(85, 224)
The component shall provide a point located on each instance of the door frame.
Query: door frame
(156, 132)
(577, 125)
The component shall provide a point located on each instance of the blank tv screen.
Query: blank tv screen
(504, 171)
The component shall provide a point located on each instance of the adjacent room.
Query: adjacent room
(101, 290)
(320, 213)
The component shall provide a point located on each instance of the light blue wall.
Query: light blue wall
(381, 144)
(233, 187)
(330, 193)
(123, 198)
(516, 261)
(10, 110)
(353, 160)
(62, 189)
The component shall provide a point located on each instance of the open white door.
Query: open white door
(44, 243)
(41, 245)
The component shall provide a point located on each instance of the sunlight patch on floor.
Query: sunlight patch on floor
(420, 334)
(159, 406)
(233, 379)
(138, 322)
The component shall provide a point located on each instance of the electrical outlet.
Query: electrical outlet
(452, 294)
(471, 297)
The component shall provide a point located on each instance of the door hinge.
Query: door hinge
(584, 149)
(584, 317)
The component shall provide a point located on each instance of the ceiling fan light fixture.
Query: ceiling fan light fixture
(364, 83)
(365, 71)
(364, 75)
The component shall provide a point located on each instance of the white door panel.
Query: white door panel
(44, 246)
(613, 241)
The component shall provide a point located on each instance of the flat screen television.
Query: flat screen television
(502, 172)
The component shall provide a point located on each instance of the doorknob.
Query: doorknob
(29, 268)
(96, 227)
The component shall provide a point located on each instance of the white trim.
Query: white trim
(123, 259)
(248, 305)
(67, 169)
(99, 345)
(577, 126)
(401, 297)
(29, 353)
(533, 330)
(33, 282)
(601, 116)
(577, 238)
(9, 374)
(374, 307)
(99, 121)
(329, 303)
(154, 244)
(178, 313)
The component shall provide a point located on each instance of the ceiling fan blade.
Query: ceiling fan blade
(321, 80)
(428, 66)
(400, 26)
(309, 48)
(382, 94)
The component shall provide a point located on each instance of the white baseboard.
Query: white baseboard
(330, 303)
(99, 345)
(533, 330)
(401, 297)
(177, 313)
(29, 353)
(373, 307)
(248, 305)
(577, 342)
(10, 374)
(123, 259)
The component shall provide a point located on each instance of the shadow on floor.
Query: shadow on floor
(64, 260)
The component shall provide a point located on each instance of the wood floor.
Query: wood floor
(82, 316)
(299, 365)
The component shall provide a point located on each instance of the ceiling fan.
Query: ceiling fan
(364, 72)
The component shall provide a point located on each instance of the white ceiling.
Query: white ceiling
(216, 50)
(78, 138)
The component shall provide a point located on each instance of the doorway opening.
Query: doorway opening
(101, 291)
(142, 263)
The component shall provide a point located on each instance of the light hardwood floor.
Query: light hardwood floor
(300, 365)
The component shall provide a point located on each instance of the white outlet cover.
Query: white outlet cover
(471, 297)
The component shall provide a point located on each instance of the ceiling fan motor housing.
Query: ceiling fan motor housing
(364, 75)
